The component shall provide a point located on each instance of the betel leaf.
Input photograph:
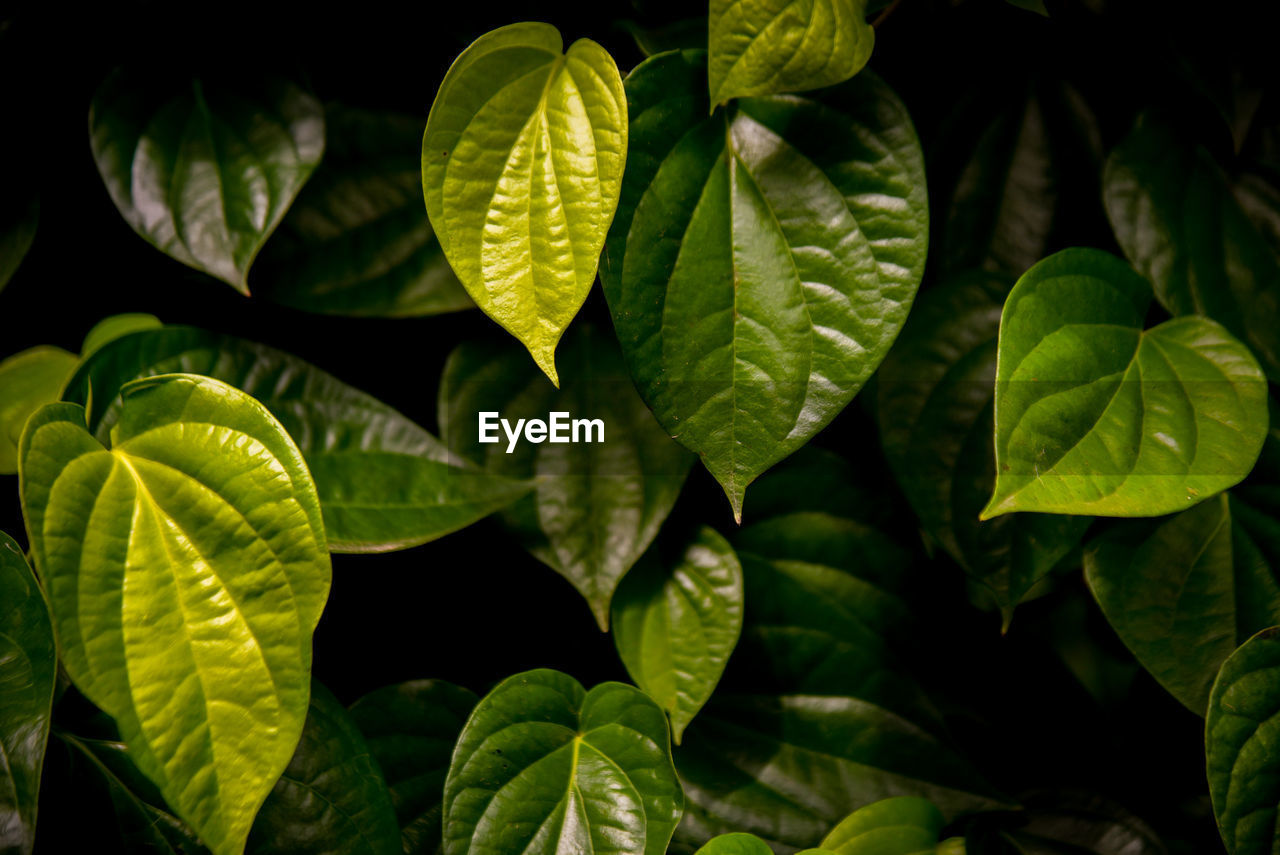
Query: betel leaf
(205, 169)
(522, 163)
(28, 671)
(109, 329)
(905, 825)
(544, 767)
(735, 843)
(186, 571)
(19, 216)
(1094, 415)
(28, 381)
(1240, 746)
(1063, 823)
(1175, 216)
(384, 482)
(411, 729)
(775, 46)
(598, 501)
(675, 623)
(763, 258)
(934, 406)
(331, 798)
(357, 240)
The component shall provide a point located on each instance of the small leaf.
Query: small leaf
(1094, 415)
(186, 572)
(19, 216)
(776, 46)
(905, 825)
(675, 626)
(735, 844)
(204, 170)
(522, 163)
(109, 329)
(28, 381)
(543, 767)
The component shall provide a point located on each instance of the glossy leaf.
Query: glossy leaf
(384, 482)
(19, 216)
(905, 825)
(545, 767)
(773, 46)
(1056, 823)
(28, 381)
(522, 163)
(675, 626)
(411, 729)
(204, 170)
(735, 844)
(763, 259)
(28, 671)
(357, 240)
(186, 571)
(117, 326)
(597, 505)
(1094, 415)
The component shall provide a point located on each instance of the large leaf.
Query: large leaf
(597, 505)
(384, 483)
(332, 797)
(1094, 415)
(28, 381)
(522, 163)
(204, 170)
(544, 767)
(19, 215)
(763, 258)
(357, 240)
(28, 668)
(186, 571)
(767, 47)
(411, 729)
(934, 405)
(1174, 213)
(675, 626)
(1063, 823)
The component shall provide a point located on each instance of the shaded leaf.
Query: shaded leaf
(19, 216)
(1063, 823)
(684, 34)
(28, 381)
(117, 326)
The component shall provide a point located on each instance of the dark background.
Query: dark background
(1057, 702)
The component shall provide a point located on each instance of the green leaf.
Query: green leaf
(411, 729)
(28, 381)
(1241, 746)
(332, 797)
(205, 170)
(186, 571)
(775, 46)
(384, 483)
(682, 34)
(905, 825)
(109, 329)
(1094, 415)
(28, 671)
(1176, 217)
(19, 216)
(735, 844)
(763, 259)
(357, 240)
(544, 767)
(1058, 823)
(522, 163)
(597, 505)
(675, 626)
(934, 406)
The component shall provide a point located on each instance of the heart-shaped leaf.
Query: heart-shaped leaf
(522, 163)
(735, 843)
(28, 381)
(675, 624)
(774, 46)
(28, 671)
(599, 501)
(1094, 415)
(905, 825)
(544, 767)
(763, 258)
(19, 216)
(204, 170)
(186, 571)
(357, 240)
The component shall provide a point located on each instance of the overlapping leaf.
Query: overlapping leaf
(1054, 823)
(28, 381)
(904, 825)
(735, 843)
(19, 216)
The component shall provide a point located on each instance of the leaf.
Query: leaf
(682, 34)
(1094, 415)
(357, 240)
(544, 767)
(204, 170)
(776, 46)
(1240, 745)
(411, 729)
(19, 216)
(117, 326)
(735, 844)
(763, 259)
(1174, 214)
(28, 671)
(384, 483)
(28, 381)
(1056, 823)
(597, 505)
(186, 571)
(332, 797)
(522, 163)
(905, 825)
(934, 406)
(676, 623)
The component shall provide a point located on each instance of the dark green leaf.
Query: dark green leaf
(19, 215)
(117, 326)
(28, 381)
(1064, 823)
(684, 34)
